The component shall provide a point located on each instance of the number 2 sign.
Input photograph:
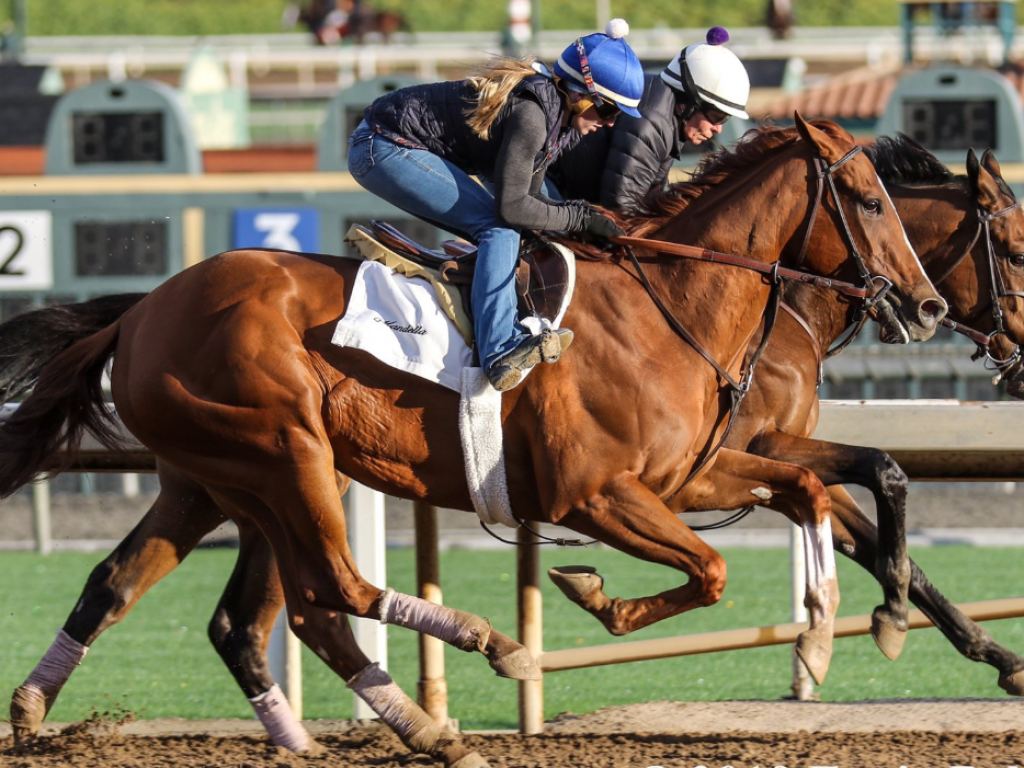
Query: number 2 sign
(26, 250)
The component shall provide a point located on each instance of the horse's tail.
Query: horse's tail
(67, 399)
(30, 341)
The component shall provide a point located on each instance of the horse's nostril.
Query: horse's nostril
(933, 310)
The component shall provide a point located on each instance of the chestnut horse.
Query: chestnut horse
(226, 372)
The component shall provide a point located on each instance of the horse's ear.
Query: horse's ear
(989, 162)
(983, 184)
(826, 146)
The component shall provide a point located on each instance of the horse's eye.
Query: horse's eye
(873, 207)
(1017, 259)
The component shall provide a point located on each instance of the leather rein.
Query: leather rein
(997, 291)
(776, 274)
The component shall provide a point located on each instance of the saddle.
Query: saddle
(545, 275)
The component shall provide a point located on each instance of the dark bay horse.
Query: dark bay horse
(227, 374)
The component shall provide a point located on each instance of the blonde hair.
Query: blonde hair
(493, 83)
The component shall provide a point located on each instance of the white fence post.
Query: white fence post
(803, 687)
(364, 512)
(41, 527)
(285, 657)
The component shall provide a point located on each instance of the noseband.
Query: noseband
(997, 291)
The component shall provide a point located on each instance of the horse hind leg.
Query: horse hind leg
(329, 578)
(240, 631)
(460, 629)
(329, 635)
(170, 530)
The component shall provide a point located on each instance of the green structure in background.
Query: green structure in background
(948, 16)
(217, 110)
(344, 113)
(121, 128)
(952, 109)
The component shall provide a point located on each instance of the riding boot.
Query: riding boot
(547, 347)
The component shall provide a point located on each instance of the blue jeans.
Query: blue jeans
(431, 188)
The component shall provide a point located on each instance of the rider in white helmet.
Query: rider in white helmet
(712, 79)
(689, 101)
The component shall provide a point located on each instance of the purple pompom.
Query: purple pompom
(717, 36)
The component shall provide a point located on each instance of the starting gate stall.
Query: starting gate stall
(952, 109)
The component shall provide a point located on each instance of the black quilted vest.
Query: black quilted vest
(433, 117)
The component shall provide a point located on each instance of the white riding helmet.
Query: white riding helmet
(711, 74)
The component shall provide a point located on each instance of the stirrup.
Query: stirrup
(506, 372)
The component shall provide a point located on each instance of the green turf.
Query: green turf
(159, 663)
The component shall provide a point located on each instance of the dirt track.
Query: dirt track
(670, 734)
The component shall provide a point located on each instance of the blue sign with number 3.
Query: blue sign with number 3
(290, 229)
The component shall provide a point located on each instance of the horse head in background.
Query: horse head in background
(979, 266)
(332, 21)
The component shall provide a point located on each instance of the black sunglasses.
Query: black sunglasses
(606, 110)
(714, 115)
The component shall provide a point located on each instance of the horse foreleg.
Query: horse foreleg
(875, 470)
(628, 516)
(735, 480)
(856, 537)
(172, 527)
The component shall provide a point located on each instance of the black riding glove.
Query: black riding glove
(602, 226)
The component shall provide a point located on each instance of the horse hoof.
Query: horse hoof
(577, 582)
(509, 659)
(1013, 684)
(472, 760)
(28, 710)
(816, 654)
(314, 749)
(888, 636)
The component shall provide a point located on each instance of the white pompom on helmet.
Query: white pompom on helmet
(712, 74)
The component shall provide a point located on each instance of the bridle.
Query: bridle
(997, 291)
(776, 274)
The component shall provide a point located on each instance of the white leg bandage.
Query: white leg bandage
(274, 711)
(56, 666)
(463, 630)
(821, 568)
(413, 726)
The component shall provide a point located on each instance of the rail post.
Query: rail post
(432, 688)
(531, 629)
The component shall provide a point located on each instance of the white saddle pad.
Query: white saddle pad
(397, 320)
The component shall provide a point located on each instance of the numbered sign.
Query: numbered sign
(289, 229)
(26, 250)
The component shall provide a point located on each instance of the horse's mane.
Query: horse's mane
(902, 161)
(713, 169)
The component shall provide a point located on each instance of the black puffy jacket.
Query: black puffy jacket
(617, 167)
